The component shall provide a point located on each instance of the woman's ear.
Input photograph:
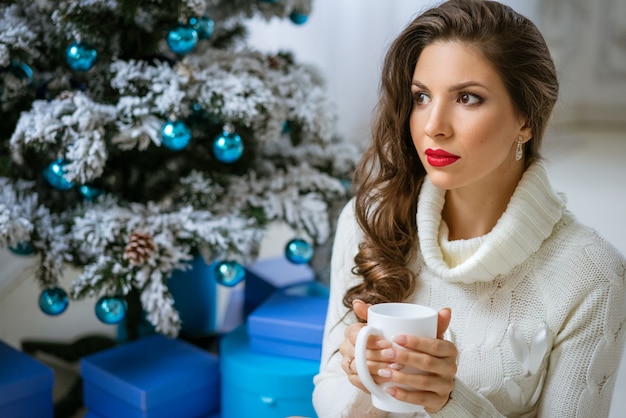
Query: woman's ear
(526, 130)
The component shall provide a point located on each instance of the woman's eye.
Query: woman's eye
(421, 98)
(469, 98)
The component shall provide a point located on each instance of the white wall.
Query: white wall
(588, 42)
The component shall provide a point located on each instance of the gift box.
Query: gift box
(91, 414)
(152, 377)
(268, 275)
(263, 386)
(205, 306)
(26, 385)
(291, 322)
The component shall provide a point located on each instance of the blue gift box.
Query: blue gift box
(152, 377)
(205, 306)
(263, 386)
(26, 385)
(91, 414)
(291, 322)
(268, 275)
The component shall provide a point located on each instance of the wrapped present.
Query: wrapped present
(205, 306)
(263, 386)
(268, 275)
(26, 385)
(91, 414)
(152, 377)
(291, 322)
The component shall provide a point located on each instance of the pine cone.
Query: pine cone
(274, 63)
(66, 94)
(139, 248)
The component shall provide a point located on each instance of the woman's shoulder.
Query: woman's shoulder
(578, 248)
(346, 220)
(347, 212)
(582, 277)
(348, 228)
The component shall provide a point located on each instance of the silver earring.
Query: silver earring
(519, 152)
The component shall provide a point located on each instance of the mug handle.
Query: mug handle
(361, 361)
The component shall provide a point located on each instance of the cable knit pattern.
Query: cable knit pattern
(538, 310)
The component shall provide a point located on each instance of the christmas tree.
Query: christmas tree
(137, 135)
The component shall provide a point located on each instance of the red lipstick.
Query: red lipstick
(440, 158)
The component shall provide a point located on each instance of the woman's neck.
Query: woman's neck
(473, 211)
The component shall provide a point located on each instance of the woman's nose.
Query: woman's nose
(437, 122)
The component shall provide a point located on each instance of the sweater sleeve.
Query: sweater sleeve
(584, 361)
(466, 402)
(334, 396)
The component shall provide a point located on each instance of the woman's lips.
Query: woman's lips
(440, 158)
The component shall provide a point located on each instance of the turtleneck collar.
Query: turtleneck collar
(528, 220)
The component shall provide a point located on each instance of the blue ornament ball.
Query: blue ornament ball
(111, 309)
(54, 174)
(182, 39)
(298, 18)
(203, 25)
(20, 71)
(298, 251)
(53, 301)
(23, 248)
(229, 273)
(175, 135)
(80, 56)
(228, 147)
(287, 127)
(89, 193)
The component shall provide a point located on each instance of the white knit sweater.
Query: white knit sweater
(538, 310)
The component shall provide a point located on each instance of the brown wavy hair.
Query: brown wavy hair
(390, 173)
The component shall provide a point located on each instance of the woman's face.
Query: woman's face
(463, 123)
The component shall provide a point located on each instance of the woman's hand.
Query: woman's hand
(436, 357)
(375, 344)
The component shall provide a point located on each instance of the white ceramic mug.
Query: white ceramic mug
(388, 320)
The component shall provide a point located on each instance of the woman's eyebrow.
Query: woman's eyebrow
(455, 87)
(419, 85)
(466, 84)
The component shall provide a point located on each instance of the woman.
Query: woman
(454, 210)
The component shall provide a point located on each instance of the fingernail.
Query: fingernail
(391, 390)
(384, 372)
(382, 343)
(388, 352)
(396, 366)
(400, 339)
